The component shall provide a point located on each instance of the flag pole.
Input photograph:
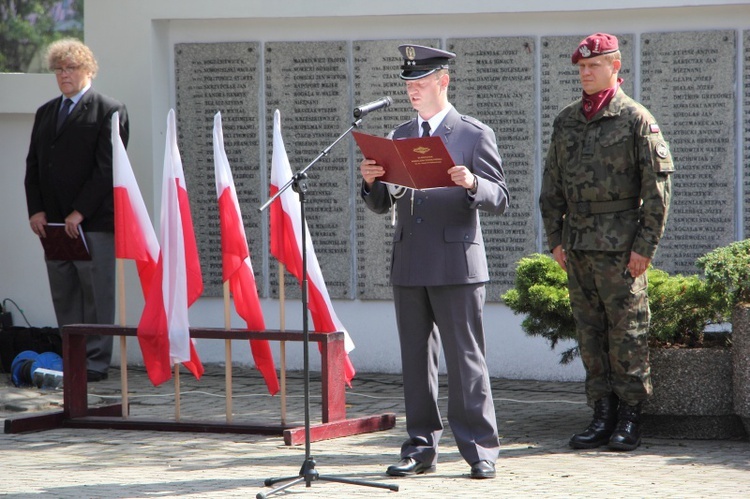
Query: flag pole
(282, 344)
(228, 352)
(177, 391)
(123, 339)
(298, 182)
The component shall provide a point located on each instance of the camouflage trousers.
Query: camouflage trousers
(611, 313)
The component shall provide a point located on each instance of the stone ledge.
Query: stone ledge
(728, 427)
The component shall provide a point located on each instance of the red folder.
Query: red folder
(419, 163)
(59, 246)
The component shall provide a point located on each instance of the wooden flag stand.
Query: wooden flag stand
(77, 414)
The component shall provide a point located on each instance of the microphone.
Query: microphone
(361, 111)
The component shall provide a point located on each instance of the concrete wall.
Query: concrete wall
(133, 42)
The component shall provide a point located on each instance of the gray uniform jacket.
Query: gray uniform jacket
(438, 239)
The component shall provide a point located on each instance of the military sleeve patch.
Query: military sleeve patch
(654, 128)
(662, 150)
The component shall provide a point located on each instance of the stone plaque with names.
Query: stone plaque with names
(493, 80)
(211, 78)
(376, 74)
(688, 83)
(309, 83)
(561, 84)
(746, 124)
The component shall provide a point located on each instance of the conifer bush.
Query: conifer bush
(682, 307)
(728, 269)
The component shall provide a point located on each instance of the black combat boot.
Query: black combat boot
(627, 435)
(601, 427)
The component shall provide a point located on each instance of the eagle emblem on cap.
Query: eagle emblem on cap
(585, 52)
(411, 53)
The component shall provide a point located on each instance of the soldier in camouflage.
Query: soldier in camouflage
(604, 201)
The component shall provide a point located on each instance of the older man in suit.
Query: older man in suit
(69, 181)
(439, 271)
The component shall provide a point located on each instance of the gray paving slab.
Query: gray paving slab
(535, 419)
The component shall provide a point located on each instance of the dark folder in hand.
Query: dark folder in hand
(419, 163)
(59, 246)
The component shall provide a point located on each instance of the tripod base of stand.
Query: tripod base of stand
(309, 474)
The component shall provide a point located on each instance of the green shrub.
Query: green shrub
(728, 269)
(541, 293)
(681, 307)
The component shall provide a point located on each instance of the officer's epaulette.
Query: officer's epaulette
(472, 121)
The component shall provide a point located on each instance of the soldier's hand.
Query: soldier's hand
(637, 264)
(560, 257)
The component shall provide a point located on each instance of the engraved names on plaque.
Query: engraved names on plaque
(309, 83)
(493, 80)
(688, 83)
(746, 124)
(376, 74)
(211, 78)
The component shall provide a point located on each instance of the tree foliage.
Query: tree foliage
(28, 26)
(681, 306)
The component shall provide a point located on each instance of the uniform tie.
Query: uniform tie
(63, 114)
(425, 129)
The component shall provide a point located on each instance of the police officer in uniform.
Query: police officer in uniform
(439, 271)
(604, 201)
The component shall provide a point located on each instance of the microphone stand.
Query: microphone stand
(307, 472)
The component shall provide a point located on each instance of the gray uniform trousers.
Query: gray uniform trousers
(83, 292)
(457, 312)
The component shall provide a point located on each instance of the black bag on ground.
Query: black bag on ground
(15, 339)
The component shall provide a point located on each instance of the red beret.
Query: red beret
(595, 45)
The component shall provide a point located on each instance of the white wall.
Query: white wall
(133, 43)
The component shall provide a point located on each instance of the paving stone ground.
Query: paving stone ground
(535, 419)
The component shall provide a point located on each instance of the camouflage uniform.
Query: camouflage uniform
(606, 192)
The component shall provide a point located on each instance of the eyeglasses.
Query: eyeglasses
(66, 70)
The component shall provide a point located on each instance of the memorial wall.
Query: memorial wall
(688, 83)
(211, 78)
(745, 147)
(516, 85)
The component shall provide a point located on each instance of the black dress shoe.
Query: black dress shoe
(94, 376)
(409, 466)
(483, 469)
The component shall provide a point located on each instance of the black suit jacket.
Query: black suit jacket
(72, 169)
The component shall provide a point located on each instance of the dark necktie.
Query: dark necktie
(63, 115)
(425, 129)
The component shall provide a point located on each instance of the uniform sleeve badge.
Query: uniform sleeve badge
(662, 150)
(654, 128)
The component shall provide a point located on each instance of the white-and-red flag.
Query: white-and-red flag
(235, 258)
(164, 329)
(135, 238)
(286, 246)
